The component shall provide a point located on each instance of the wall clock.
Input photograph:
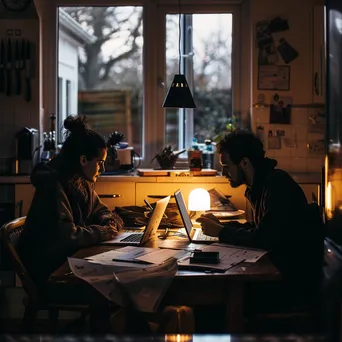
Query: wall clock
(16, 5)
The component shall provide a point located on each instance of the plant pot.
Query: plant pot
(112, 162)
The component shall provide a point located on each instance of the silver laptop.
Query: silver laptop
(139, 238)
(194, 234)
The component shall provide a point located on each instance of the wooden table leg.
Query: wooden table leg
(234, 309)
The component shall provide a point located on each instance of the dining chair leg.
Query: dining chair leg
(29, 318)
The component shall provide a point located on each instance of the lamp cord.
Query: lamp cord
(179, 36)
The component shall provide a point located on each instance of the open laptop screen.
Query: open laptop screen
(183, 211)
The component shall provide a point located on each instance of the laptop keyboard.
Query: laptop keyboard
(203, 237)
(132, 238)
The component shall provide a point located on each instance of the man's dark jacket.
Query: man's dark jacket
(284, 224)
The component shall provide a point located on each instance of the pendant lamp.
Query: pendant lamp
(179, 94)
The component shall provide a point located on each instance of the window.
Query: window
(205, 51)
(125, 64)
(60, 115)
(68, 98)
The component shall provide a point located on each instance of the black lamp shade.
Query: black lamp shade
(179, 95)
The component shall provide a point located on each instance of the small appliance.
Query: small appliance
(27, 150)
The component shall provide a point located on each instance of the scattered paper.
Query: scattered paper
(144, 284)
(160, 255)
(250, 255)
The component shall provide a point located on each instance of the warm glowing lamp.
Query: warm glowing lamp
(199, 201)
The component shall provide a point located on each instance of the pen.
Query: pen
(132, 261)
(151, 208)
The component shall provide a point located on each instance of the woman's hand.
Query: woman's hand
(112, 229)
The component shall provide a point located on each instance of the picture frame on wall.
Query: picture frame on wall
(274, 77)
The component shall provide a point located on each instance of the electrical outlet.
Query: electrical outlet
(316, 147)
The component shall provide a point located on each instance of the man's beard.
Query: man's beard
(240, 179)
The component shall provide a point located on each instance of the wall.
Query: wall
(15, 112)
(298, 157)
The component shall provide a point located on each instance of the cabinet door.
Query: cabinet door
(116, 194)
(310, 189)
(23, 197)
(148, 190)
(318, 55)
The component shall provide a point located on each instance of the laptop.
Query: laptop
(193, 234)
(139, 238)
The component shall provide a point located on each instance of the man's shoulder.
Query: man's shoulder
(280, 177)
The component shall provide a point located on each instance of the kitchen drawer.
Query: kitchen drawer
(144, 190)
(107, 190)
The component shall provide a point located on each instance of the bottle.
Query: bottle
(195, 156)
(208, 155)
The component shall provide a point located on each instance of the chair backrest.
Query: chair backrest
(9, 235)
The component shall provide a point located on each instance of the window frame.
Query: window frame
(153, 131)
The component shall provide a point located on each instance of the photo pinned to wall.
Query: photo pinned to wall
(273, 141)
(274, 77)
(263, 33)
(287, 52)
(280, 110)
(268, 55)
(316, 120)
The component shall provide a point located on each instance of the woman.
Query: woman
(66, 214)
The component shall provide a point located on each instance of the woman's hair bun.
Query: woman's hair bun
(76, 124)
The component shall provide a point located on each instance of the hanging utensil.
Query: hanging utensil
(9, 68)
(2, 66)
(28, 71)
(17, 68)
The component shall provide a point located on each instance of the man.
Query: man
(284, 223)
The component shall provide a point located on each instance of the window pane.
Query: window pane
(206, 50)
(100, 52)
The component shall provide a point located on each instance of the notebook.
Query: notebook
(139, 238)
(194, 234)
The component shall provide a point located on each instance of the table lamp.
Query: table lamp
(199, 202)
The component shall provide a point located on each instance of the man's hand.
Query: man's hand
(210, 225)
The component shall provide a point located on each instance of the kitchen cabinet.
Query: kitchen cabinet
(318, 55)
(23, 194)
(150, 191)
(310, 189)
(116, 194)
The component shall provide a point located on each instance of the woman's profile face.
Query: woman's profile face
(94, 167)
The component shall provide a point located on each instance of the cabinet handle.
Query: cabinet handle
(159, 196)
(320, 61)
(315, 83)
(109, 195)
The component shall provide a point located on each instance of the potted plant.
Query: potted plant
(167, 158)
(113, 143)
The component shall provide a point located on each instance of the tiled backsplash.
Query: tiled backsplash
(299, 146)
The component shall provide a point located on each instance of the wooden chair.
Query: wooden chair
(9, 235)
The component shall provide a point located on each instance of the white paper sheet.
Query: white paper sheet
(128, 253)
(144, 284)
(250, 255)
(160, 255)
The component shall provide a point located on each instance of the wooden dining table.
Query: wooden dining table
(194, 288)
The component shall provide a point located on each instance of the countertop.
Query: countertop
(302, 178)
